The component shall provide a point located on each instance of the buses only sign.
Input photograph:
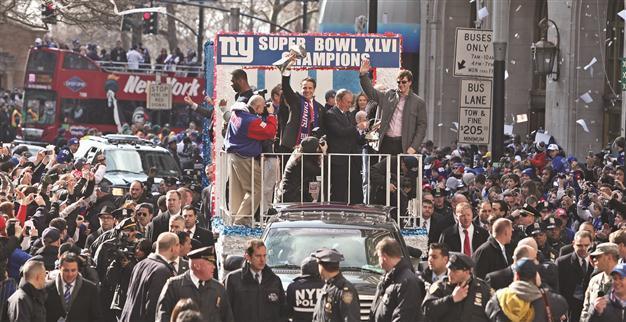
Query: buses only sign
(475, 111)
(473, 54)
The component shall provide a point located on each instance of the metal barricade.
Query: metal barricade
(275, 163)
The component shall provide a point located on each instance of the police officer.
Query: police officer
(339, 300)
(197, 284)
(459, 295)
(303, 292)
(552, 231)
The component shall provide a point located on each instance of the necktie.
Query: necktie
(202, 284)
(466, 244)
(583, 265)
(257, 278)
(504, 254)
(174, 268)
(67, 296)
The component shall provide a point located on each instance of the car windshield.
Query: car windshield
(287, 247)
(135, 161)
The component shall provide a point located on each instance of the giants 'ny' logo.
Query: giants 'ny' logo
(236, 50)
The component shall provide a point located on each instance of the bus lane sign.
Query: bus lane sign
(475, 111)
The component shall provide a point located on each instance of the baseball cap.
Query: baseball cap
(72, 141)
(619, 269)
(553, 147)
(51, 234)
(606, 248)
(526, 268)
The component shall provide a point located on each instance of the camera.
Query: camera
(261, 92)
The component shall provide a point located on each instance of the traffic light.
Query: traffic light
(150, 23)
(48, 12)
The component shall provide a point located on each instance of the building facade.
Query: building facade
(591, 46)
(14, 53)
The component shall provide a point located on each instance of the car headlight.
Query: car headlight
(117, 192)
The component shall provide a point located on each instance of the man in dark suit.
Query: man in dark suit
(492, 255)
(201, 237)
(343, 137)
(504, 277)
(161, 222)
(430, 222)
(437, 268)
(464, 237)
(574, 273)
(70, 296)
(148, 279)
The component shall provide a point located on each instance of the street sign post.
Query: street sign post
(159, 96)
(623, 74)
(473, 54)
(475, 111)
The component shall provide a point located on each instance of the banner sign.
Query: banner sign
(334, 51)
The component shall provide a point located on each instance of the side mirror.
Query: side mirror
(414, 252)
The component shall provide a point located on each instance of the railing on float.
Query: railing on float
(270, 184)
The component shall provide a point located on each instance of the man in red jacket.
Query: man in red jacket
(246, 130)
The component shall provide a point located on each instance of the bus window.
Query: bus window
(40, 107)
(75, 61)
(87, 111)
(41, 62)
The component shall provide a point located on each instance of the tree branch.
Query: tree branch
(298, 17)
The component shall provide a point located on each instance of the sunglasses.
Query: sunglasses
(143, 214)
(402, 82)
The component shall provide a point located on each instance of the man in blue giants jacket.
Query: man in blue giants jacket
(246, 130)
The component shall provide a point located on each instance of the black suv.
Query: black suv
(297, 230)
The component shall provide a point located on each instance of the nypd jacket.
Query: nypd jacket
(246, 131)
(253, 302)
(398, 296)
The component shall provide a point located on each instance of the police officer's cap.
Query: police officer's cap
(121, 213)
(528, 210)
(534, 229)
(328, 255)
(203, 253)
(128, 224)
(551, 223)
(460, 261)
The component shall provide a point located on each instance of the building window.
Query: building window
(612, 98)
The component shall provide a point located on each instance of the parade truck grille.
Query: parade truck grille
(366, 304)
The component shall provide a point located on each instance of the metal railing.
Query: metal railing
(270, 170)
(143, 68)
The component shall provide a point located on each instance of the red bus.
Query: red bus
(64, 89)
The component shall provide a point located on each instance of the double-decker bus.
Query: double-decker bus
(64, 89)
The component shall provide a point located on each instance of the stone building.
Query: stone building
(15, 40)
(591, 46)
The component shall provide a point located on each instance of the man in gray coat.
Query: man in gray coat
(404, 121)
